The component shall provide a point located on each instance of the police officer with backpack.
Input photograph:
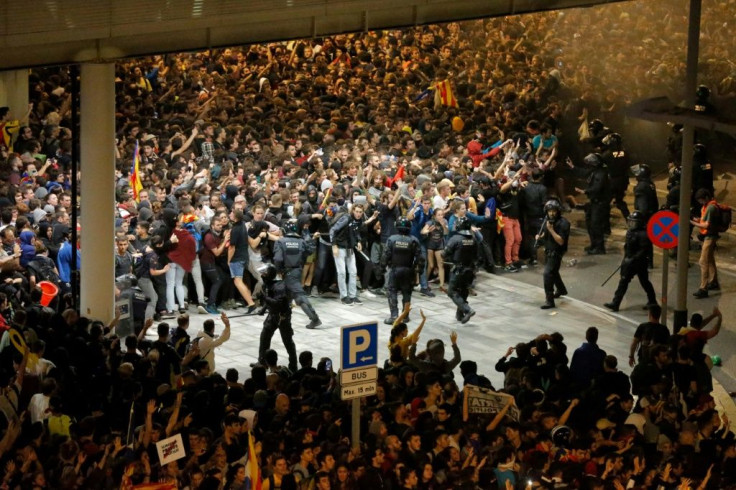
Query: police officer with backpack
(555, 233)
(461, 251)
(289, 254)
(634, 263)
(277, 302)
(403, 255)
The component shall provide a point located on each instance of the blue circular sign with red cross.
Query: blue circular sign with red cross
(663, 228)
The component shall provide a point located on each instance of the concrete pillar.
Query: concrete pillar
(14, 91)
(97, 187)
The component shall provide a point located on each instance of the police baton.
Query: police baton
(612, 274)
(539, 233)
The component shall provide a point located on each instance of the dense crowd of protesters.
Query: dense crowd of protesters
(340, 135)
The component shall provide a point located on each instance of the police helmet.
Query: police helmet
(643, 172)
(552, 205)
(702, 93)
(462, 225)
(675, 176)
(593, 159)
(595, 126)
(403, 225)
(613, 140)
(291, 228)
(636, 220)
(267, 272)
(562, 436)
(700, 151)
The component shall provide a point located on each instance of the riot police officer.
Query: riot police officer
(702, 171)
(645, 193)
(402, 254)
(617, 162)
(597, 131)
(634, 262)
(277, 302)
(645, 200)
(597, 212)
(289, 254)
(461, 250)
(555, 233)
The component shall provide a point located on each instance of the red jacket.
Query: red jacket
(184, 252)
(474, 152)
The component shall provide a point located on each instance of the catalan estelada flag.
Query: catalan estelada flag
(135, 175)
(443, 95)
(252, 471)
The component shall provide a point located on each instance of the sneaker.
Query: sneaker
(211, 309)
(596, 251)
(510, 268)
(701, 293)
(427, 292)
(347, 301)
(307, 290)
(378, 291)
(356, 301)
(547, 305)
(182, 311)
(649, 305)
(251, 309)
(560, 293)
(314, 324)
(389, 320)
(157, 317)
(202, 309)
(168, 314)
(467, 316)
(713, 286)
(611, 306)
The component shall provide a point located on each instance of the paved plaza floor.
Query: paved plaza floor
(507, 312)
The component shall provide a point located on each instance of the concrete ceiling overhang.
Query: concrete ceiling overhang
(52, 32)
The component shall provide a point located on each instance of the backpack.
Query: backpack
(723, 219)
(196, 234)
(44, 270)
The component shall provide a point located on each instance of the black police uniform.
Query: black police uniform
(645, 198)
(634, 264)
(553, 253)
(462, 251)
(597, 213)
(646, 202)
(617, 161)
(289, 254)
(278, 304)
(402, 254)
(533, 197)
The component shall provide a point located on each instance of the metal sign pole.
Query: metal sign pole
(665, 274)
(355, 439)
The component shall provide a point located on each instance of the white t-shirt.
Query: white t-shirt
(439, 202)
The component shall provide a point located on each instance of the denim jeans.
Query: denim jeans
(197, 278)
(146, 285)
(175, 285)
(346, 258)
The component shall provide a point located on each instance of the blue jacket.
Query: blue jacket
(64, 262)
(420, 219)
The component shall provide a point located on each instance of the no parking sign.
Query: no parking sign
(663, 228)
